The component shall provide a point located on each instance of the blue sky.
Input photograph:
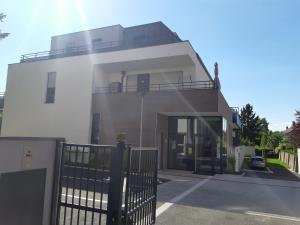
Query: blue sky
(255, 42)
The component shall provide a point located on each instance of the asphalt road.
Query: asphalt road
(228, 200)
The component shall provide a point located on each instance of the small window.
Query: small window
(182, 126)
(51, 82)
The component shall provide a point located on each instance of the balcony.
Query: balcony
(117, 87)
(2, 94)
(88, 49)
(236, 117)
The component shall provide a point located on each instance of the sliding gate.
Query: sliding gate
(107, 185)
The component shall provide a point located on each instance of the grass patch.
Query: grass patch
(276, 163)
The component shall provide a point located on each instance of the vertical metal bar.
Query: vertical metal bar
(114, 208)
(74, 182)
(67, 186)
(95, 180)
(87, 186)
(80, 184)
(61, 174)
(155, 186)
(128, 180)
(101, 186)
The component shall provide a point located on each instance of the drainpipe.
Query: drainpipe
(122, 79)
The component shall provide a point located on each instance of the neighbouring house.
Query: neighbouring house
(143, 81)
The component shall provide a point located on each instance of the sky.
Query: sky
(255, 42)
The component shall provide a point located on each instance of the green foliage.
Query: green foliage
(270, 140)
(286, 145)
(231, 163)
(263, 125)
(2, 35)
(250, 134)
(295, 133)
(121, 137)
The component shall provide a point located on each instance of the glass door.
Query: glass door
(181, 147)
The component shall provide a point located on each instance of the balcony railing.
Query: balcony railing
(236, 116)
(2, 94)
(156, 87)
(96, 48)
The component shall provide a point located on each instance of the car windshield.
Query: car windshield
(257, 159)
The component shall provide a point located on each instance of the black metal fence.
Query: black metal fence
(158, 87)
(107, 185)
(140, 196)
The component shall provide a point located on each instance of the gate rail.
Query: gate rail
(112, 185)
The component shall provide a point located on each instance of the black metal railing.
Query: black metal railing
(2, 94)
(84, 183)
(141, 187)
(108, 185)
(98, 47)
(70, 51)
(158, 87)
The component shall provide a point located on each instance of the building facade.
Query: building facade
(143, 81)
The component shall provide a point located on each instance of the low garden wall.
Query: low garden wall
(240, 153)
(290, 159)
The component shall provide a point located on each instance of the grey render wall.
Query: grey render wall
(225, 110)
(120, 112)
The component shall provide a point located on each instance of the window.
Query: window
(50, 93)
(97, 43)
(182, 126)
(70, 46)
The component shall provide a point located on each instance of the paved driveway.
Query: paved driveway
(228, 200)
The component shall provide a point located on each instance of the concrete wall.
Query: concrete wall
(43, 151)
(290, 159)
(225, 110)
(25, 111)
(239, 154)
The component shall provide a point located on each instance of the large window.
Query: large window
(51, 82)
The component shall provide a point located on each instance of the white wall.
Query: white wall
(298, 151)
(25, 111)
(26, 114)
(240, 153)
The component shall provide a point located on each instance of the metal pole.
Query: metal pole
(115, 192)
(141, 130)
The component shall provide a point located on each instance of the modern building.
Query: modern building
(143, 81)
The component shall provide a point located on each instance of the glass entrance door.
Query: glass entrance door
(181, 149)
(195, 143)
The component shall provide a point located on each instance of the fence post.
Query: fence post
(115, 192)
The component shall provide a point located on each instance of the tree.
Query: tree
(264, 125)
(297, 114)
(251, 126)
(264, 141)
(276, 138)
(295, 133)
(2, 35)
